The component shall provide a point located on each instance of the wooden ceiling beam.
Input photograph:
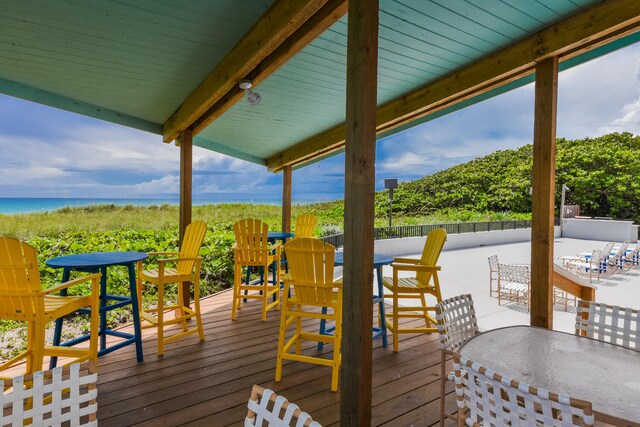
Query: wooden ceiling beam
(273, 28)
(332, 11)
(591, 28)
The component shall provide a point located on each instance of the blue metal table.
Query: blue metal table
(98, 262)
(379, 260)
(272, 237)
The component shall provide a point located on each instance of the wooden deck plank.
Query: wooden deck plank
(208, 384)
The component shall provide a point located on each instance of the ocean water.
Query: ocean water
(27, 205)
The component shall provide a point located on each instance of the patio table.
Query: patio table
(272, 237)
(98, 262)
(379, 260)
(604, 374)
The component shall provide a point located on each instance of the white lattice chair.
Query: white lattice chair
(65, 395)
(457, 324)
(493, 272)
(487, 398)
(609, 323)
(268, 409)
(513, 283)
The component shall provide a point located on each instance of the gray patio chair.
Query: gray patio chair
(513, 283)
(493, 272)
(457, 324)
(609, 323)
(487, 398)
(265, 408)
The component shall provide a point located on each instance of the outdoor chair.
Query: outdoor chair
(487, 398)
(22, 299)
(457, 324)
(632, 257)
(305, 225)
(609, 323)
(63, 396)
(309, 287)
(252, 249)
(593, 267)
(513, 283)
(265, 408)
(424, 283)
(493, 272)
(616, 261)
(187, 269)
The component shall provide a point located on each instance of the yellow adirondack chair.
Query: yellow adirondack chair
(187, 269)
(305, 225)
(252, 249)
(311, 277)
(424, 283)
(22, 299)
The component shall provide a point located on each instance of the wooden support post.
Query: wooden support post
(185, 140)
(286, 198)
(544, 173)
(357, 318)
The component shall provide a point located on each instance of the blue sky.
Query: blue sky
(46, 152)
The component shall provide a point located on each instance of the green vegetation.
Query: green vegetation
(601, 173)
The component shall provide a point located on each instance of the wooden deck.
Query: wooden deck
(209, 383)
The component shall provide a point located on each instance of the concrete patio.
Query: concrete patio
(467, 271)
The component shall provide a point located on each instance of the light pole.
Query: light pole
(390, 184)
(564, 190)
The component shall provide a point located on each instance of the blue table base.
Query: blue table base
(105, 306)
(377, 331)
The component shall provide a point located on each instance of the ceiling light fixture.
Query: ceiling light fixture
(253, 98)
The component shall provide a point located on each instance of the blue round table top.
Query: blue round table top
(378, 259)
(279, 235)
(95, 259)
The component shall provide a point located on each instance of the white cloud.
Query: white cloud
(167, 185)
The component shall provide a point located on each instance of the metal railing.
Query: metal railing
(402, 231)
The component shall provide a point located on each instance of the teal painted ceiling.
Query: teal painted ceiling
(134, 62)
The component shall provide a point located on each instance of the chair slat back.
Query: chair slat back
(311, 264)
(21, 296)
(606, 251)
(63, 396)
(514, 273)
(493, 263)
(251, 241)
(431, 253)
(495, 400)
(609, 323)
(305, 225)
(191, 244)
(457, 323)
(265, 408)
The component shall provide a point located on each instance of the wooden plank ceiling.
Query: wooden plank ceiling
(135, 63)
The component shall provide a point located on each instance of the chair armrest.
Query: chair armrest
(275, 246)
(70, 283)
(417, 268)
(162, 253)
(406, 260)
(166, 260)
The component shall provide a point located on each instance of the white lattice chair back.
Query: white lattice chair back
(493, 263)
(457, 323)
(63, 396)
(495, 400)
(265, 408)
(609, 323)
